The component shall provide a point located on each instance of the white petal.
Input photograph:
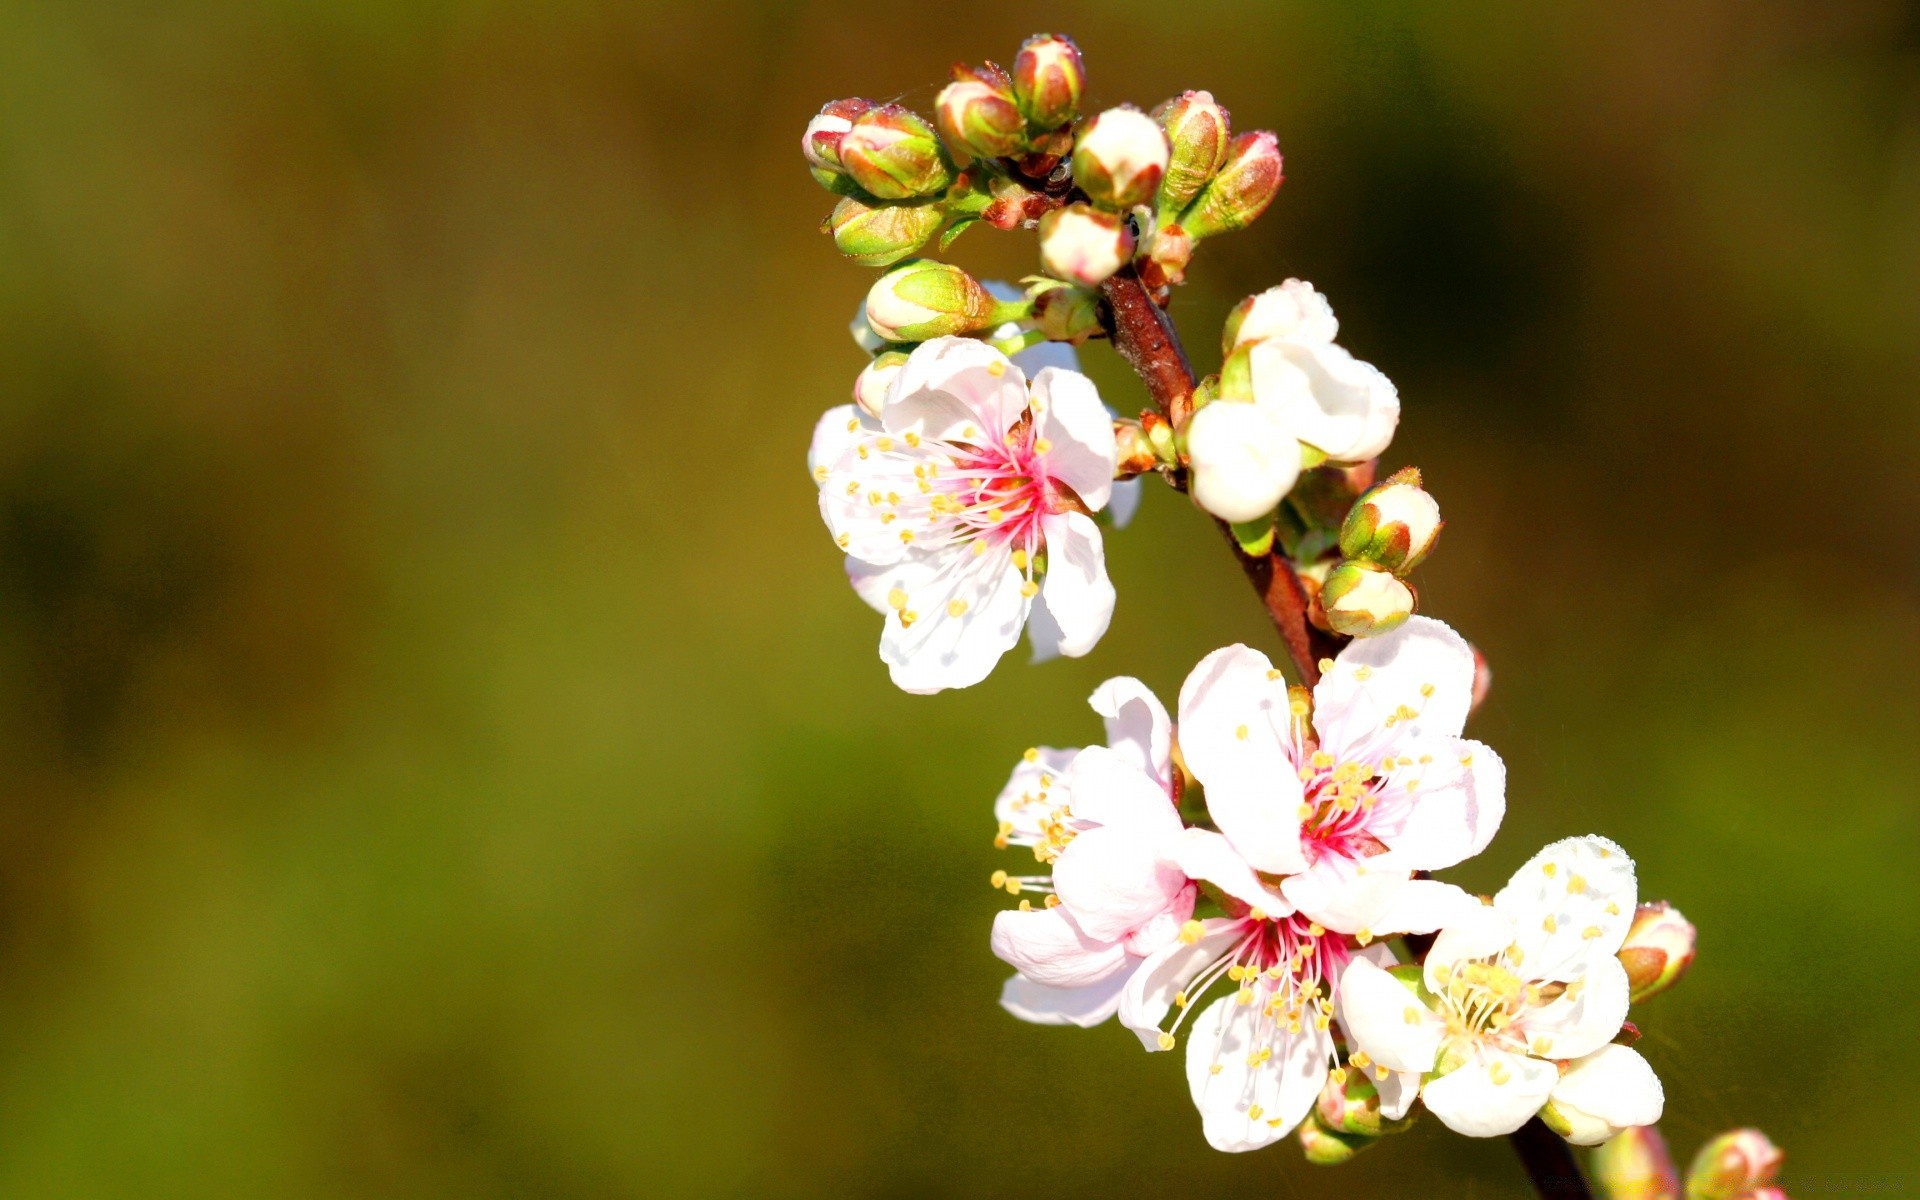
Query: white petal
(1607, 1091)
(1478, 931)
(869, 502)
(1423, 906)
(1072, 419)
(1047, 947)
(1078, 593)
(940, 649)
(1204, 854)
(1164, 928)
(1244, 459)
(1034, 790)
(833, 435)
(874, 582)
(1111, 879)
(1225, 1035)
(1332, 400)
(957, 390)
(1450, 807)
(1108, 789)
(1125, 500)
(1167, 972)
(1468, 1101)
(1138, 727)
(1397, 1093)
(1292, 310)
(1083, 1006)
(1234, 717)
(1387, 1020)
(1348, 895)
(1423, 667)
(1571, 905)
(1568, 1028)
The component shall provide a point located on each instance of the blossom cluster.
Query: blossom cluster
(1251, 873)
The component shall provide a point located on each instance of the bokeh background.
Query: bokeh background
(439, 756)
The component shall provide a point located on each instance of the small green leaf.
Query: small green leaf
(1255, 537)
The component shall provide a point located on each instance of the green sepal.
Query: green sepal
(956, 229)
(1255, 537)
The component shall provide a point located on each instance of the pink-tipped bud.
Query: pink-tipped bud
(979, 120)
(1197, 132)
(1361, 600)
(821, 142)
(1083, 245)
(1119, 157)
(1394, 525)
(894, 154)
(1325, 1148)
(1634, 1165)
(870, 389)
(1658, 950)
(1245, 185)
(879, 235)
(1349, 1103)
(1048, 78)
(1733, 1165)
(1066, 313)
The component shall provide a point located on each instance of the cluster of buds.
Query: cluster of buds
(1387, 533)
(1739, 1165)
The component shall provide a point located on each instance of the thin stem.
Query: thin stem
(1147, 340)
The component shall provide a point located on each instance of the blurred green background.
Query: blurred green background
(439, 755)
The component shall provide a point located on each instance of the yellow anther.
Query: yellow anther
(996, 368)
(1179, 999)
(884, 443)
(1363, 672)
(956, 607)
(1411, 1015)
(1255, 1112)
(1316, 929)
(1020, 560)
(1191, 931)
(1274, 673)
(907, 618)
(1550, 925)
(1426, 690)
(1026, 906)
(1240, 732)
(1551, 869)
(861, 451)
(1380, 1072)
(1031, 754)
(820, 473)
(1166, 1040)
(1236, 972)
(1258, 914)
(1244, 998)
(913, 439)
(1364, 936)
(1590, 932)
(996, 515)
(1337, 1077)
(1613, 910)
(1214, 1069)
(1013, 887)
(998, 879)
(1029, 589)
(1326, 666)
(969, 432)
(1053, 902)
(1498, 1073)
(1576, 884)
(844, 540)
(1321, 760)
(853, 423)
(906, 535)
(853, 487)
(1541, 1046)
(1359, 1059)
(1042, 446)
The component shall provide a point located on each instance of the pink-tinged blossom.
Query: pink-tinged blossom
(1518, 1004)
(1326, 804)
(1099, 819)
(966, 508)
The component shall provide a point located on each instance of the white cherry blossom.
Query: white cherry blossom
(1098, 817)
(1335, 403)
(1518, 1004)
(1327, 803)
(967, 506)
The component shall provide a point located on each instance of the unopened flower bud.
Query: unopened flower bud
(1168, 253)
(1119, 157)
(1361, 600)
(1048, 78)
(923, 299)
(1482, 679)
(1658, 949)
(1244, 459)
(1325, 1148)
(1292, 310)
(1083, 245)
(821, 142)
(1066, 313)
(1197, 131)
(1733, 1165)
(979, 119)
(894, 154)
(879, 235)
(870, 389)
(1134, 453)
(1635, 1165)
(1352, 1106)
(1245, 185)
(1394, 525)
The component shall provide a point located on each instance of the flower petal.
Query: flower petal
(1138, 726)
(1070, 417)
(1108, 789)
(1579, 1020)
(1607, 1091)
(1047, 947)
(1447, 810)
(1083, 1006)
(1423, 906)
(1387, 1019)
(956, 389)
(1243, 1106)
(1078, 594)
(1348, 895)
(1166, 973)
(1571, 905)
(960, 613)
(1344, 407)
(1234, 719)
(1164, 928)
(1111, 879)
(833, 435)
(1476, 931)
(1491, 1095)
(1204, 854)
(1125, 501)
(1034, 791)
(1423, 668)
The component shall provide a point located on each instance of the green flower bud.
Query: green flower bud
(1083, 245)
(1733, 1165)
(1394, 525)
(1245, 185)
(1197, 132)
(1658, 949)
(922, 299)
(870, 389)
(1065, 313)
(1048, 78)
(1362, 600)
(1350, 1103)
(1635, 1165)
(821, 142)
(1323, 1147)
(879, 235)
(977, 118)
(894, 154)
(1119, 157)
